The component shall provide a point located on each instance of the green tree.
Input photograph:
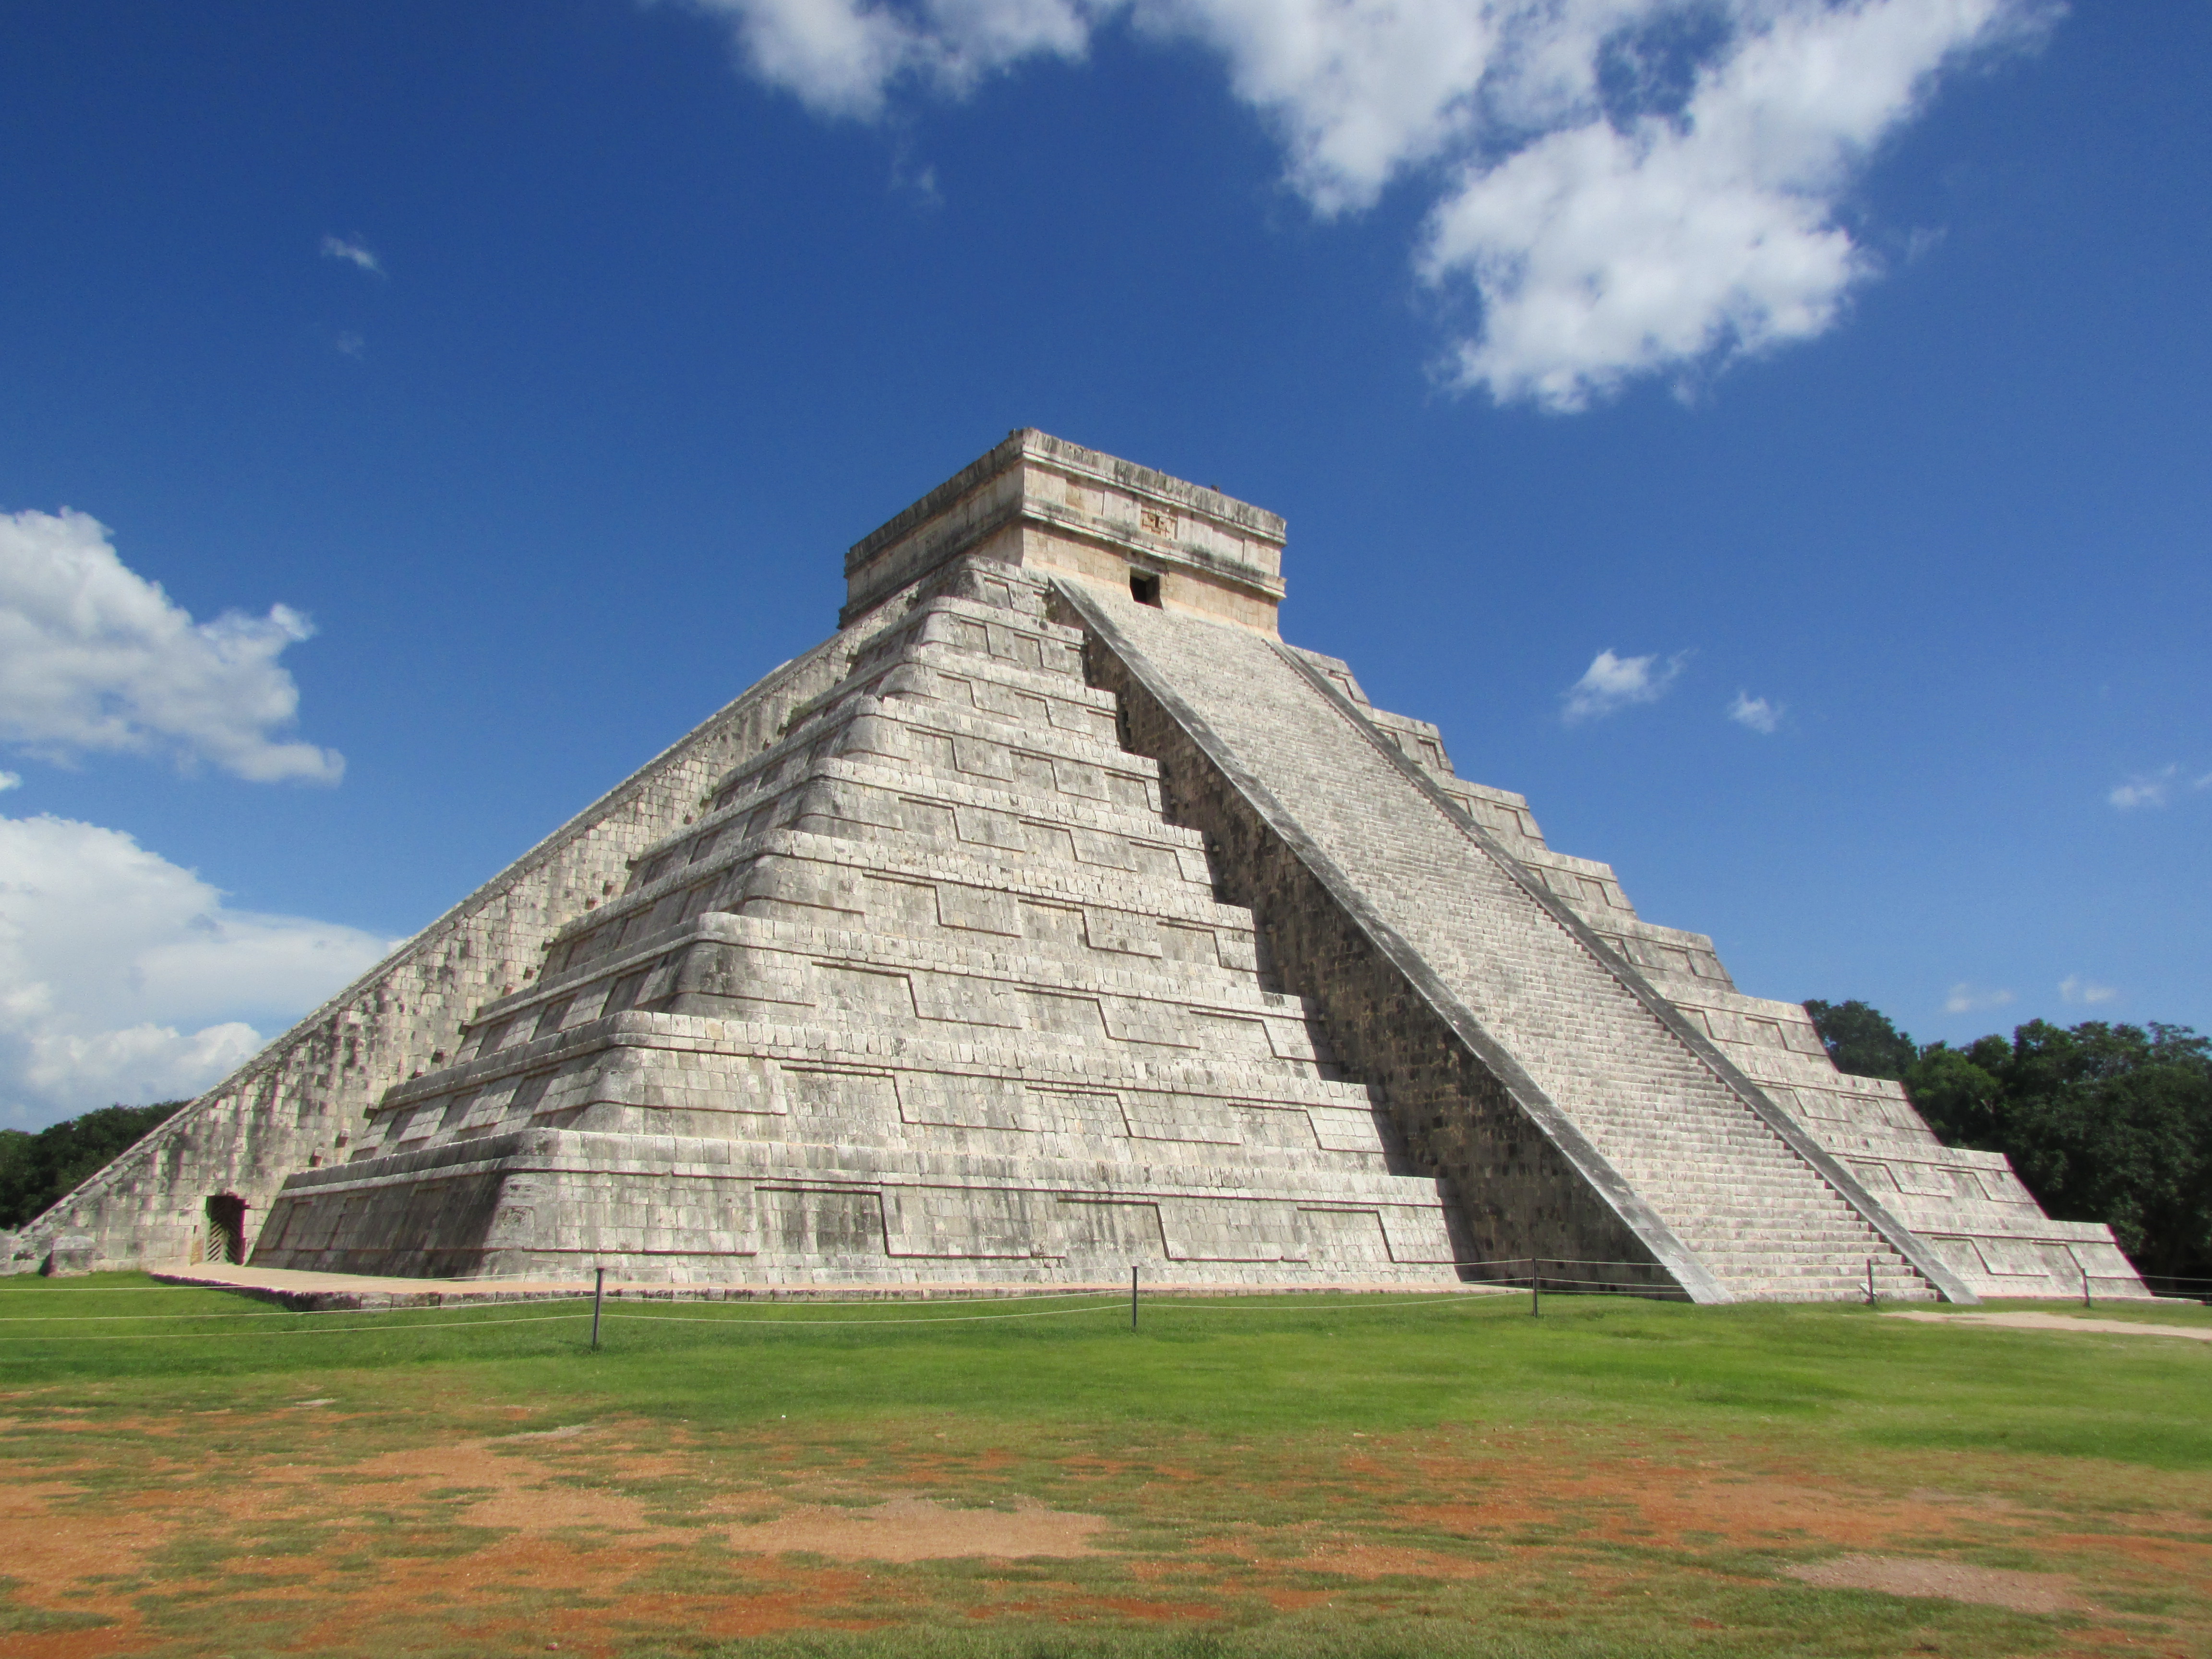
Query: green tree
(36, 1169)
(1862, 1041)
(2113, 1123)
(2102, 1122)
(1958, 1092)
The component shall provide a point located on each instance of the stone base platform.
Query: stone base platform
(318, 1292)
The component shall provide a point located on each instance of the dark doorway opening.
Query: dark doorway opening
(1145, 588)
(226, 1216)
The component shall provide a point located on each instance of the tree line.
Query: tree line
(36, 1169)
(2102, 1122)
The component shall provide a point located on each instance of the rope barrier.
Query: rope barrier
(1104, 1305)
(796, 1316)
(551, 1282)
(319, 1330)
(703, 1296)
(1565, 1286)
(645, 1291)
(555, 1282)
(273, 1313)
(763, 1296)
(45, 1283)
(1271, 1304)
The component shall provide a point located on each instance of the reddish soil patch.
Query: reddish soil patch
(596, 1537)
(1616, 1502)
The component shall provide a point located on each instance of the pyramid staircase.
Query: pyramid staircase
(1720, 1185)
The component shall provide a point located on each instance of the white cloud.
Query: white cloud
(354, 252)
(351, 344)
(1624, 242)
(1612, 684)
(1969, 998)
(92, 656)
(841, 56)
(1357, 93)
(2145, 789)
(10, 781)
(1756, 713)
(2075, 989)
(124, 977)
(1626, 186)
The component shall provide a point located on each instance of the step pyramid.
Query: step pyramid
(931, 989)
(1055, 917)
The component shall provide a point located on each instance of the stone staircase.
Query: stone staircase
(1760, 1215)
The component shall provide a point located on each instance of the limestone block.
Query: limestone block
(71, 1254)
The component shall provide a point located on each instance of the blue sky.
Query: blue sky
(491, 392)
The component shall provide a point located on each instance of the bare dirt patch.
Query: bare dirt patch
(1953, 1581)
(346, 1536)
(918, 1529)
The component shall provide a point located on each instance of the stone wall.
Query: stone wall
(302, 1101)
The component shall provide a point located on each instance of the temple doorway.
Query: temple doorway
(226, 1218)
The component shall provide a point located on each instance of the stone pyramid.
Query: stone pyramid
(930, 988)
(1056, 916)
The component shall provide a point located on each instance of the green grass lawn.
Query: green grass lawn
(192, 1472)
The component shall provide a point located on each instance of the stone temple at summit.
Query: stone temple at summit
(1053, 916)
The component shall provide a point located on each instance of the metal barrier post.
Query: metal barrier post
(1133, 1296)
(2085, 1288)
(1870, 1298)
(1535, 1289)
(598, 1295)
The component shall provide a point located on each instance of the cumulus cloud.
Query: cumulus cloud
(1640, 239)
(1755, 713)
(10, 781)
(354, 252)
(1967, 997)
(2146, 789)
(1612, 684)
(1623, 187)
(124, 977)
(1358, 93)
(2075, 989)
(842, 56)
(92, 656)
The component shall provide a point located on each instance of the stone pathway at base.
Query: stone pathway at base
(300, 1288)
(291, 1281)
(2042, 1322)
